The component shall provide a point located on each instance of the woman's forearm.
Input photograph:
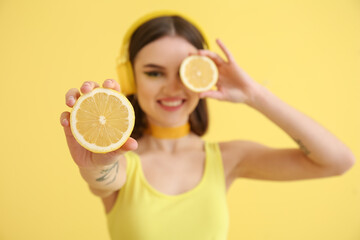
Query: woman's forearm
(314, 140)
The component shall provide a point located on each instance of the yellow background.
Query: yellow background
(306, 52)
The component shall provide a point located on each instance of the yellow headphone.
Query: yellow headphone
(124, 67)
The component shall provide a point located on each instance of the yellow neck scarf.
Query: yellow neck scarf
(169, 132)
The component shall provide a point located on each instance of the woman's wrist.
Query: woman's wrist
(256, 95)
(104, 178)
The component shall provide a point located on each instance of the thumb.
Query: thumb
(212, 94)
(130, 145)
(73, 145)
(110, 157)
(65, 122)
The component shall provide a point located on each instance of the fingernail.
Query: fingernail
(65, 122)
(71, 100)
(109, 81)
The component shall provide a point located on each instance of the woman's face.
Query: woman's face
(161, 94)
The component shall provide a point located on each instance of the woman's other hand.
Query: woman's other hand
(234, 84)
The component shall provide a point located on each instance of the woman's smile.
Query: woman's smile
(171, 104)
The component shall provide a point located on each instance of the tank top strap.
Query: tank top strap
(215, 164)
(132, 164)
(132, 173)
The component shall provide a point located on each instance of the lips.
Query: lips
(171, 104)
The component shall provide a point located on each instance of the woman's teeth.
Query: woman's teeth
(171, 103)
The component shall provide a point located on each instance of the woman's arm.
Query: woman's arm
(316, 143)
(321, 153)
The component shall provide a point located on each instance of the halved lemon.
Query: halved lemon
(198, 73)
(102, 120)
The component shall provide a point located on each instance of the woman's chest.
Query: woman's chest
(173, 174)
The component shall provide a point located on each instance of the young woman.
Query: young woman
(169, 183)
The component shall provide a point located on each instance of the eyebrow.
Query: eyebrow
(151, 65)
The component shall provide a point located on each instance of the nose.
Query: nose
(173, 84)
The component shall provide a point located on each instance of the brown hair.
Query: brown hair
(149, 32)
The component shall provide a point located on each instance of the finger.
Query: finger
(194, 52)
(212, 94)
(64, 119)
(71, 96)
(65, 122)
(213, 56)
(112, 84)
(227, 53)
(130, 145)
(207, 53)
(88, 86)
(111, 157)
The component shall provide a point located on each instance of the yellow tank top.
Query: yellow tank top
(143, 213)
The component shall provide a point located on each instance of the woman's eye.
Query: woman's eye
(153, 74)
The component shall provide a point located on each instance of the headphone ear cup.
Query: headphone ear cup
(126, 78)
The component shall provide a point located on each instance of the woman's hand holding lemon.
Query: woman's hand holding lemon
(82, 156)
(234, 84)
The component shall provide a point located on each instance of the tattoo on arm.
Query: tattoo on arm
(303, 148)
(109, 175)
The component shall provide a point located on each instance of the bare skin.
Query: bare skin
(176, 166)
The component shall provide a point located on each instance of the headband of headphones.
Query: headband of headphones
(124, 68)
